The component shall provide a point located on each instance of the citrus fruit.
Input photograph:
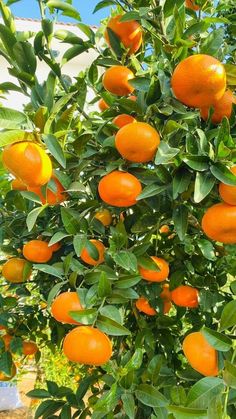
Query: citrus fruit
(137, 142)
(143, 305)
(63, 304)
(85, 256)
(28, 162)
(185, 296)
(104, 216)
(51, 197)
(190, 4)
(222, 108)
(13, 270)
(123, 119)
(102, 105)
(200, 354)
(4, 377)
(37, 251)
(18, 185)
(29, 348)
(55, 247)
(165, 229)
(166, 297)
(219, 223)
(199, 81)
(116, 80)
(155, 276)
(228, 192)
(87, 345)
(129, 33)
(7, 340)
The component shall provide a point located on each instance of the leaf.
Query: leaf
(181, 181)
(111, 327)
(87, 316)
(128, 282)
(31, 196)
(128, 404)
(151, 190)
(215, 408)
(104, 3)
(57, 237)
(115, 42)
(135, 361)
(213, 42)
(204, 183)
(150, 396)
(47, 408)
(11, 119)
(199, 163)
(25, 57)
(48, 269)
(53, 292)
(6, 363)
(180, 218)
(66, 8)
(229, 374)
(217, 340)
(187, 412)
(104, 286)
(79, 242)
(64, 100)
(223, 174)
(111, 312)
(207, 249)
(70, 220)
(126, 260)
(230, 74)
(74, 52)
(55, 149)
(228, 316)
(33, 215)
(201, 393)
(13, 136)
(38, 393)
(140, 83)
(165, 153)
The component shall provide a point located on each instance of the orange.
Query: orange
(102, 105)
(63, 304)
(29, 348)
(18, 185)
(219, 223)
(37, 251)
(200, 354)
(52, 198)
(228, 192)
(4, 377)
(119, 189)
(85, 256)
(129, 33)
(132, 97)
(55, 247)
(143, 305)
(28, 162)
(199, 81)
(13, 270)
(190, 4)
(155, 276)
(185, 296)
(137, 142)
(104, 216)
(165, 229)
(116, 80)
(123, 119)
(222, 108)
(166, 297)
(7, 340)
(88, 346)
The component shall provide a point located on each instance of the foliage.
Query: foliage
(148, 376)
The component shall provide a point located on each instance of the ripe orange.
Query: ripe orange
(155, 276)
(85, 256)
(18, 185)
(143, 305)
(29, 348)
(199, 81)
(4, 377)
(104, 216)
(165, 229)
(129, 33)
(200, 354)
(185, 296)
(88, 346)
(219, 223)
(166, 297)
(222, 108)
(7, 340)
(28, 162)
(37, 251)
(55, 247)
(123, 119)
(116, 80)
(102, 105)
(137, 142)
(190, 4)
(228, 192)
(13, 270)
(119, 189)
(52, 198)
(63, 304)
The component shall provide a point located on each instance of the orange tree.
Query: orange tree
(123, 235)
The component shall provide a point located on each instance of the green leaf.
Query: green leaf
(74, 52)
(151, 190)
(229, 374)
(104, 286)
(48, 270)
(111, 327)
(217, 340)
(228, 316)
(213, 42)
(70, 220)
(57, 237)
(53, 292)
(31, 196)
(47, 408)
(8, 86)
(199, 163)
(38, 393)
(79, 242)
(207, 249)
(135, 361)
(128, 282)
(128, 405)
(33, 215)
(126, 260)
(11, 119)
(55, 149)
(230, 74)
(6, 363)
(150, 396)
(115, 42)
(25, 57)
(223, 174)
(13, 136)
(87, 316)
(8, 39)
(181, 181)
(204, 183)
(201, 393)
(187, 412)
(140, 83)
(111, 312)
(59, 105)
(165, 153)
(104, 3)
(215, 408)
(66, 8)
(180, 218)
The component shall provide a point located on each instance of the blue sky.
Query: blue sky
(85, 7)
